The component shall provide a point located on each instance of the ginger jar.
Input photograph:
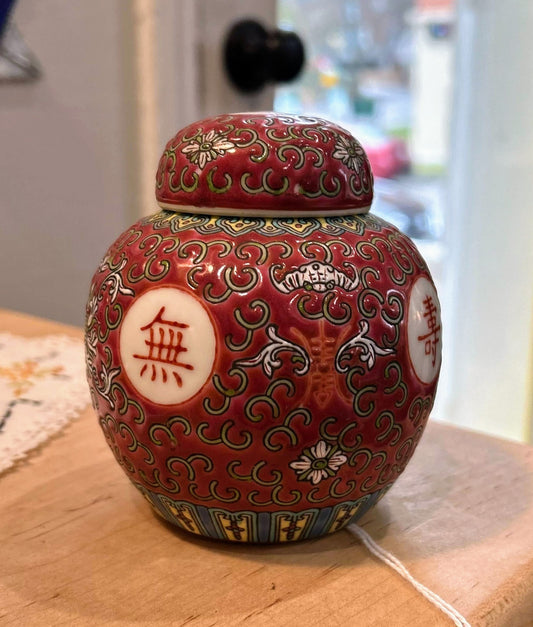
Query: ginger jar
(262, 352)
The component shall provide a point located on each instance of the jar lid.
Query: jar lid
(264, 164)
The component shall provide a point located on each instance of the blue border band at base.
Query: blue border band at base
(260, 527)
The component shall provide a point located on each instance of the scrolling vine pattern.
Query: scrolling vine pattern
(297, 398)
(195, 159)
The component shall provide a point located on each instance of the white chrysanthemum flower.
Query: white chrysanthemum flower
(350, 152)
(206, 148)
(318, 462)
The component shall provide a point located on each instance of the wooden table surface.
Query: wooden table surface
(79, 546)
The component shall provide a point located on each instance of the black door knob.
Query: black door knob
(255, 56)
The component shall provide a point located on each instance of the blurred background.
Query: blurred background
(439, 92)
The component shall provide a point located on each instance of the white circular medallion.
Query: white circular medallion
(167, 345)
(424, 330)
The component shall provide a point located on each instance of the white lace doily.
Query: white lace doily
(42, 387)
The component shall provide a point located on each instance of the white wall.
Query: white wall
(491, 239)
(65, 155)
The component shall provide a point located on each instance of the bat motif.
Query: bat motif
(316, 276)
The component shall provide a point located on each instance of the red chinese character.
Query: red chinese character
(431, 338)
(322, 371)
(322, 375)
(164, 347)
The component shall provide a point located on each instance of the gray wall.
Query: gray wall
(64, 146)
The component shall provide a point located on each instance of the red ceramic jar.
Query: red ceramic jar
(262, 353)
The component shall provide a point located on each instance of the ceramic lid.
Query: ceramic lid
(264, 164)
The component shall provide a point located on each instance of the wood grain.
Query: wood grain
(79, 546)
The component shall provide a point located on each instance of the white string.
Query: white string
(396, 565)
